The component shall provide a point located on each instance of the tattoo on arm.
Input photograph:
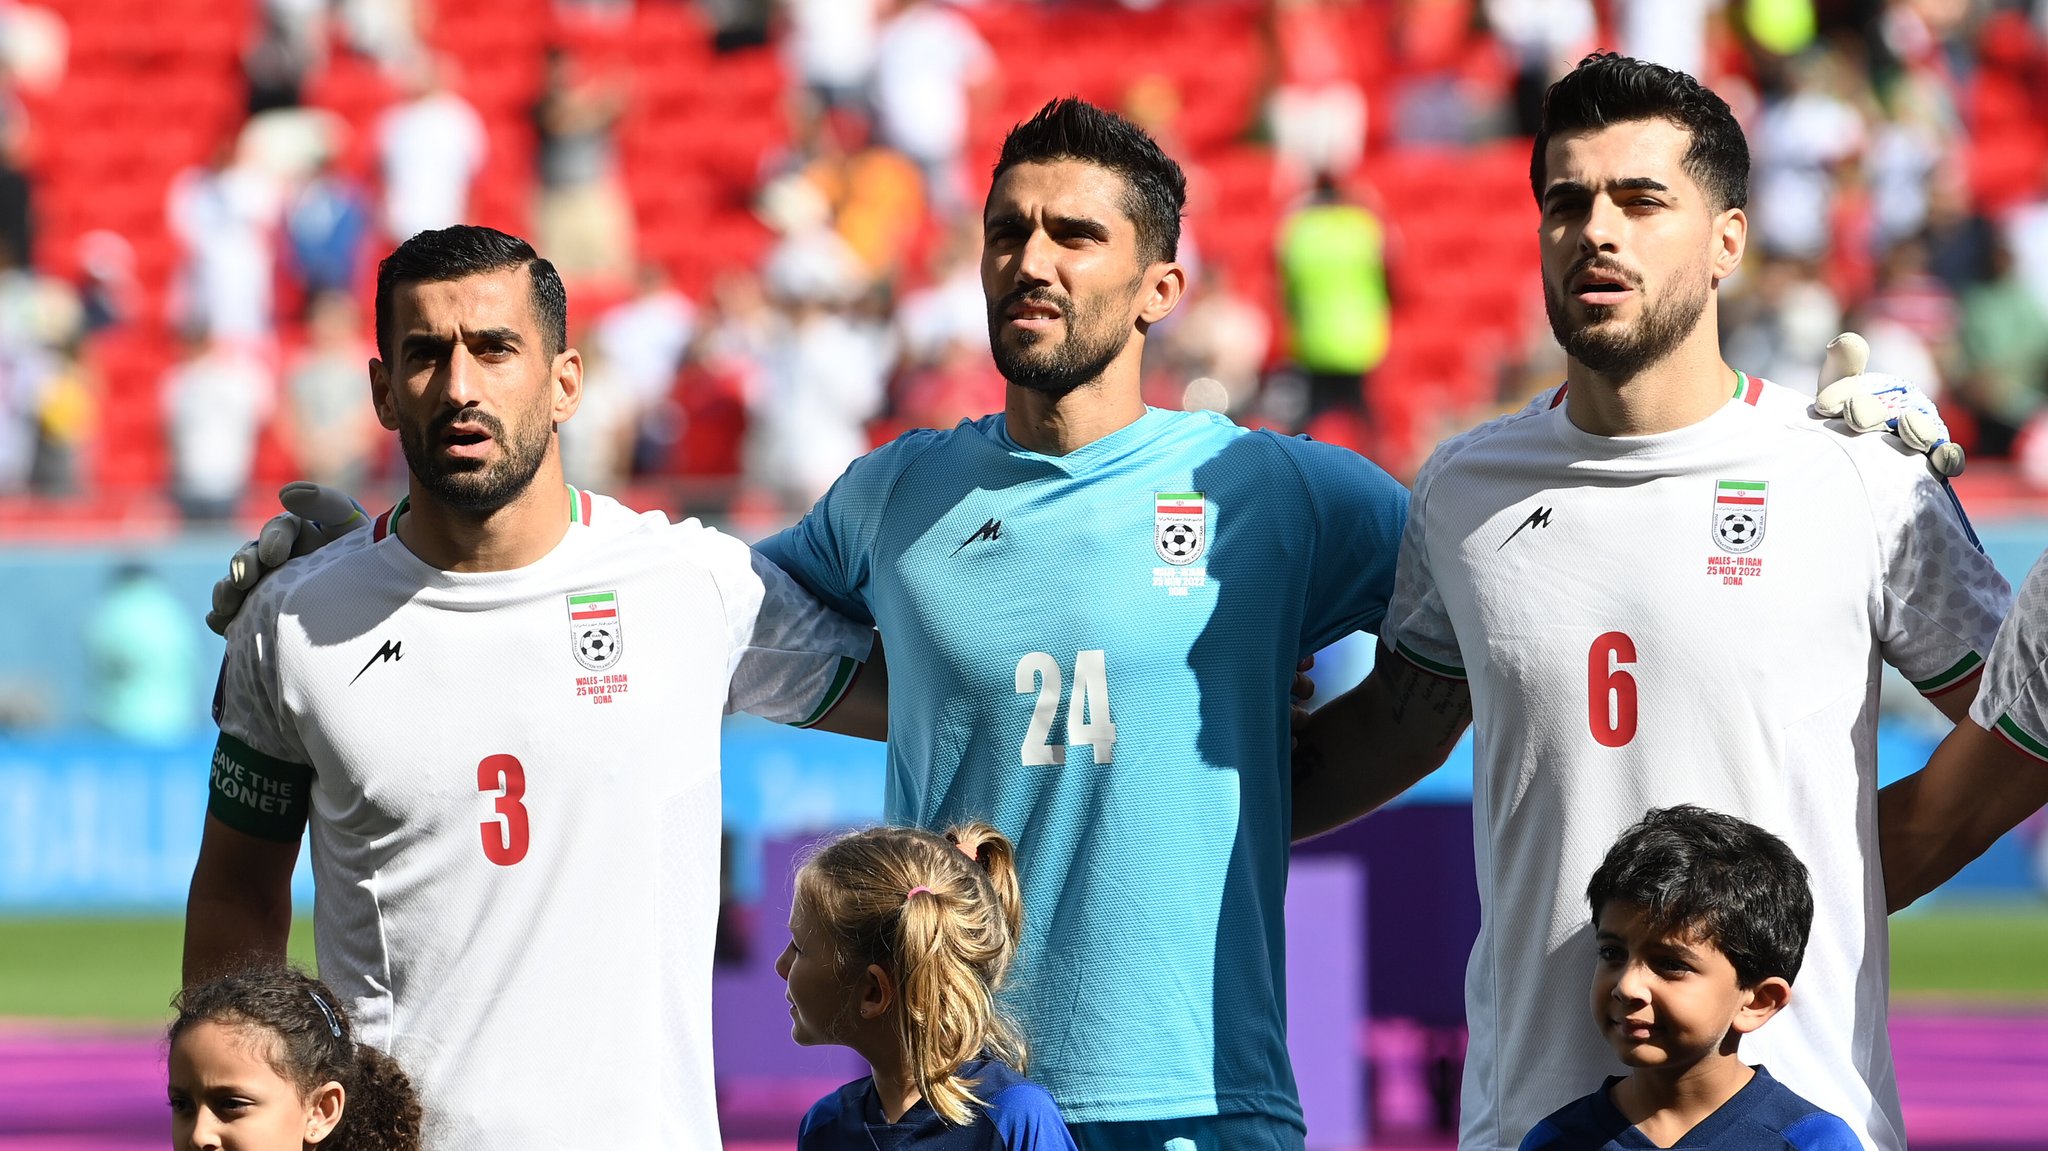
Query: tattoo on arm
(1439, 708)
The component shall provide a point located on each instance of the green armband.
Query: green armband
(258, 794)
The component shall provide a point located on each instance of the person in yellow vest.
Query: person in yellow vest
(1333, 278)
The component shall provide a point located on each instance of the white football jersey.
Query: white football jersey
(2014, 698)
(1691, 617)
(515, 806)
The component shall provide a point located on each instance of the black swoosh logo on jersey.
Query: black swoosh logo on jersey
(389, 651)
(1540, 518)
(991, 530)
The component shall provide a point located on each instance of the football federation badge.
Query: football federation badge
(595, 635)
(1180, 528)
(1739, 514)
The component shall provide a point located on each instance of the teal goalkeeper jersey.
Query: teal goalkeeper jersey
(1093, 652)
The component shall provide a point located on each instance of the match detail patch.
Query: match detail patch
(259, 794)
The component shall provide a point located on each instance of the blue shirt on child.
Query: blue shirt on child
(1764, 1116)
(1019, 1116)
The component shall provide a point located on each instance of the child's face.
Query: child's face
(817, 996)
(1662, 1000)
(225, 1096)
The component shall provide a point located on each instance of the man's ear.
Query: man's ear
(323, 1110)
(380, 394)
(1761, 1002)
(1167, 282)
(877, 992)
(1731, 238)
(568, 374)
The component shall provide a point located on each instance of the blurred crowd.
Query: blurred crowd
(1900, 188)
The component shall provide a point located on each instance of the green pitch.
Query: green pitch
(124, 970)
(121, 970)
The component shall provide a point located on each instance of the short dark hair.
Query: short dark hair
(1155, 189)
(470, 250)
(1717, 878)
(1611, 89)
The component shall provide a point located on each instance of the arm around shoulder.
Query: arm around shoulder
(1375, 741)
(1821, 1131)
(1976, 786)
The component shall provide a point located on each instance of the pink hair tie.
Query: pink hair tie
(912, 894)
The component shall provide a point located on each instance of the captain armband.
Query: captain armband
(259, 794)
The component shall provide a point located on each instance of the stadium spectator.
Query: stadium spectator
(432, 144)
(145, 659)
(583, 218)
(17, 194)
(831, 47)
(1316, 112)
(900, 942)
(1592, 696)
(2005, 342)
(948, 310)
(335, 435)
(1333, 276)
(224, 214)
(288, 45)
(617, 801)
(327, 231)
(1542, 37)
(386, 31)
(931, 70)
(1806, 134)
(1700, 924)
(643, 339)
(270, 1059)
(1781, 320)
(875, 194)
(216, 400)
(1225, 337)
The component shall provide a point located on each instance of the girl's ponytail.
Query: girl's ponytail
(381, 1112)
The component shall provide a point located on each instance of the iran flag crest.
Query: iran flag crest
(1739, 514)
(596, 636)
(1180, 527)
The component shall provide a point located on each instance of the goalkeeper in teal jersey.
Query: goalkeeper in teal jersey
(1092, 611)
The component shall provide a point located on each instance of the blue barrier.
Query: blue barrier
(91, 823)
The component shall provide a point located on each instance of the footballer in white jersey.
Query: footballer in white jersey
(512, 782)
(2013, 701)
(1695, 616)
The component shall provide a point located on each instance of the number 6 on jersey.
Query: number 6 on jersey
(1611, 692)
(1088, 719)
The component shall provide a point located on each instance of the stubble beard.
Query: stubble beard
(1094, 339)
(1623, 351)
(467, 486)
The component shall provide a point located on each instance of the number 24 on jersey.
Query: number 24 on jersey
(1088, 718)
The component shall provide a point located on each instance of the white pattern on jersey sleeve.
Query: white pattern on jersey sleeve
(791, 656)
(250, 705)
(1943, 597)
(1417, 626)
(2013, 700)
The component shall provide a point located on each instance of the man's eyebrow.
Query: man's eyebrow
(1004, 220)
(429, 341)
(1625, 184)
(1084, 225)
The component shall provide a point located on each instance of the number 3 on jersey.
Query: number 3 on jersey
(504, 838)
(1611, 692)
(1088, 719)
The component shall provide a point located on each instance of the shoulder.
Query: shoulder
(280, 591)
(1458, 451)
(1587, 1123)
(1802, 1125)
(1021, 1111)
(830, 1114)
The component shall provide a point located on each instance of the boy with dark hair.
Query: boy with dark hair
(1702, 921)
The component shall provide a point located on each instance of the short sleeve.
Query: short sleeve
(260, 781)
(830, 550)
(1943, 597)
(2013, 699)
(1418, 628)
(1360, 511)
(792, 657)
(1026, 1119)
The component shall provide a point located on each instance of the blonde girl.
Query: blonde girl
(899, 941)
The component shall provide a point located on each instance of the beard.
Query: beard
(1095, 338)
(471, 485)
(1621, 351)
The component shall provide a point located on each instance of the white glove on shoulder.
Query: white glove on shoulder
(314, 516)
(1872, 401)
